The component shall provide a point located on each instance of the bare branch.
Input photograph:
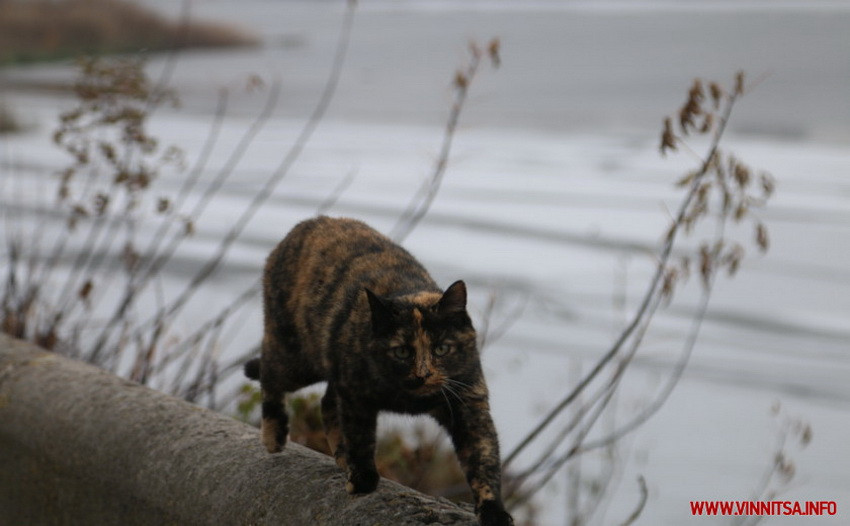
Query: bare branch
(644, 494)
(424, 198)
(294, 152)
(715, 256)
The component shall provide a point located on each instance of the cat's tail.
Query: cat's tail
(252, 369)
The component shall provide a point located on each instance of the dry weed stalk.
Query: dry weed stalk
(793, 433)
(424, 198)
(101, 195)
(721, 188)
(106, 192)
(160, 320)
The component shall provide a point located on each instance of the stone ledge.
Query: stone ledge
(79, 445)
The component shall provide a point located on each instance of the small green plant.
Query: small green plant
(248, 401)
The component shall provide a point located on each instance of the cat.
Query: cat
(346, 305)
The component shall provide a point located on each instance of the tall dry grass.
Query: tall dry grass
(722, 194)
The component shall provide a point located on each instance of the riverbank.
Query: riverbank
(37, 31)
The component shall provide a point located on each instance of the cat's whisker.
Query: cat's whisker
(448, 403)
(463, 386)
(448, 387)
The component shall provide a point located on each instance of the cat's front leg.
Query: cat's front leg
(477, 446)
(330, 421)
(358, 425)
(492, 513)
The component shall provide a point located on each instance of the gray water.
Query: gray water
(567, 66)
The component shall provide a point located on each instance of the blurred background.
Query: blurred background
(553, 208)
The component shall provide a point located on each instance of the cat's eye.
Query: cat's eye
(401, 352)
(444, 349)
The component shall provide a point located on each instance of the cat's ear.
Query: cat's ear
(382, 313)
(454, 299)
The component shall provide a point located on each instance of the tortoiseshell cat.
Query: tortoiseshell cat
(346, 305)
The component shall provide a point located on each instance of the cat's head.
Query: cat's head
(424, 342)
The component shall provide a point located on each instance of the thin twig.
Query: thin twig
(156, 258)
(672, 380)
(648, 298)
(336, 193)
(644, 494)
(282, 170)
(193, 340)
(424, 198)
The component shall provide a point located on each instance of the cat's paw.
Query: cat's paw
(339, 457)
(492, 513)
(273, 435)
(361, 481)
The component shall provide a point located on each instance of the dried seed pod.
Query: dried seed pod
(696, 93)
(741, 211)
(668, 285)
(741, 174)
(461, 81)
(668, 138)
(163, 204)
(687, 116)
(706, 265)
(717, 167)
(687, 179)
(493, 51)
(85, 290)
(768, 185)
(785, 466)
(692, 107)
(733, 259)
(727, 200)
(707, 123)
(739, 83)
(762, 239)
(702, 194)
(79, 210)
(121, 177)
(108, 151)
(806, 435)
(67, 174)
(716, 94)
(101, 203)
